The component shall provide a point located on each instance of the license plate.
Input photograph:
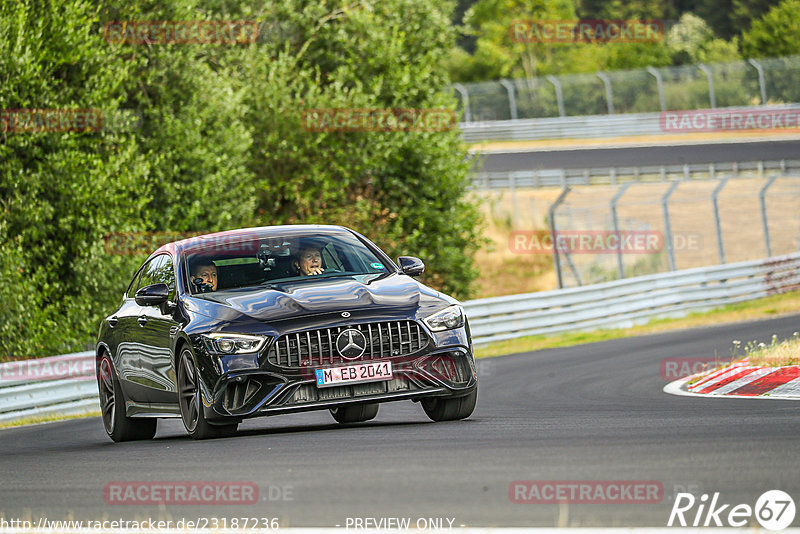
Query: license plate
(354, 374)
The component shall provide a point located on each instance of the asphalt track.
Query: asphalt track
(591, 412)
(641, 156)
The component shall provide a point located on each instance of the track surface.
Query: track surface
(592, 412)
(653, 155)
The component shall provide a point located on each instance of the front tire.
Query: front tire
(444, 409)
(118, 426)
(355, 414)
(189, 399)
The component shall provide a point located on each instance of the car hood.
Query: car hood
(392, 295)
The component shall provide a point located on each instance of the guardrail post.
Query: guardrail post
(614, 201)
(711, 96)
(660, 84)
(559, 95)
(761, 82)
(714, 195)
(687, 174)
(512, 182)
(512, 101)
(712, 171)
(464, 100)
(667, 226)
(609, 94)
(763, 201)
(551, 221)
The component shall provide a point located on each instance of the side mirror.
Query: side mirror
(411, 266)
(153, 295)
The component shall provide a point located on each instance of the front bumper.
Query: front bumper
(447, 372)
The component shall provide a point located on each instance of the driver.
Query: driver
(308, 261)
(204, 276)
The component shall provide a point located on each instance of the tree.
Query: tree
(777, 33)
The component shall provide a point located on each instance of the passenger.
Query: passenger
(308, 261)
(206, 272)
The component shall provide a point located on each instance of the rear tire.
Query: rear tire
(444, 409)
(191, 404)
(118, 426)
(355, 414)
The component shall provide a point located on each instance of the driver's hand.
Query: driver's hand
(315, 270)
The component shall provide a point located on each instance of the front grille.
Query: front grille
(318, 347)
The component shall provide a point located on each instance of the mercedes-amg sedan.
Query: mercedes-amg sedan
(261, 321)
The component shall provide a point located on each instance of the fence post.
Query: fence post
(609, 94)
(551, 221)
(714, 195)
(614, 201)
(464, 100)
(512, 182)
(668, 226)
(512, 101)
(763, 201)
(711, 96)
(659, 82)
(761, 82)
(559, 95)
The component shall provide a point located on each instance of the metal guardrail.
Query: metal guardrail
(580, 127)
(624, 303)
(617, 304)
(58, 385)
(620, 175)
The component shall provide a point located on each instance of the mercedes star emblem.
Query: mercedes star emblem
(345, 314)
(351, 344)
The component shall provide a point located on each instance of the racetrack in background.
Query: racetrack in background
(678, 154)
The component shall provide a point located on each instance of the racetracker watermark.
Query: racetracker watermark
(169, 32)
(70, 366)
(50, 120)
(714, 120)
(378, 120)
(131, 243)
(180, 493)
(586, 491)
(676, 368)
(593, 31)
(599, 241)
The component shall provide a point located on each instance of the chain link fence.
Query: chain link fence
(605, 233)
(741, 83)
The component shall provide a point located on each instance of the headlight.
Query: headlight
(233, 343)
(451, 317)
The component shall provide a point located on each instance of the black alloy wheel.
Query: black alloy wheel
(118, 426)
(191, 405)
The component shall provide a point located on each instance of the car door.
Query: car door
(158, 327)
(127, 334)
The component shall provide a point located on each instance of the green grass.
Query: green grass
(46, 419)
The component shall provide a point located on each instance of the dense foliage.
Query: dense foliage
(697, 31)
(218, 144)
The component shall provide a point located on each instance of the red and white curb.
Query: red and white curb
(741, 380)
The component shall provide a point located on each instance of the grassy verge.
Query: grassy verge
(47, 419)
(756, 309)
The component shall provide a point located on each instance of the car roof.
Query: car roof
(260, 232)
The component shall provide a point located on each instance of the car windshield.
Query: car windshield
(219, 264)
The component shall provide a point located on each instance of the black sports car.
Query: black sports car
(272, 320)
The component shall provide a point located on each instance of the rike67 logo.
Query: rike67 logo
(774, 510)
